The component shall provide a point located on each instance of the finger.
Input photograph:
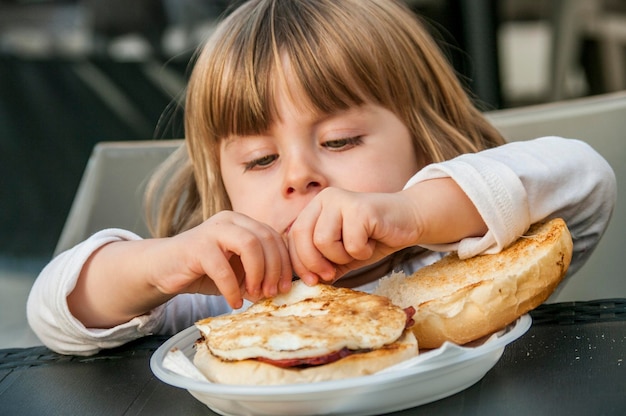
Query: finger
(249, 247)
(265, 259)
(302, 272)
(240, 274)
(328, 237)
(237, 260)
(219, 270)
(307, 260)
(356, 241)
(277, 268)
(286, 272)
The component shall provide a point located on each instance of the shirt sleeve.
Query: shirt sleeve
(520, 183)
(51, 320)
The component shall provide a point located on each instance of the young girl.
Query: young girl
(327, 139)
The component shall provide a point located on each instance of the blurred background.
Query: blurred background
(74, 73)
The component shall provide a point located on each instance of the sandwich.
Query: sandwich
(321, 333)
(463, 300)
(313, 333)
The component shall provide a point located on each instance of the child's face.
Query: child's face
(272, 176)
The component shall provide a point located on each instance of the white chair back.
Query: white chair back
(111, 190)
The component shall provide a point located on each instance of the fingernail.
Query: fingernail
(271, 291)
(309, 278)
(285, 286)
(329, 275)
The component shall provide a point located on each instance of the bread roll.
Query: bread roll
(463, 300)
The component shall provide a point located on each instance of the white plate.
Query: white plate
(431, 376)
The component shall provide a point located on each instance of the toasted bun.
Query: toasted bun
(309, 321)
(463, 300)
(253, 372)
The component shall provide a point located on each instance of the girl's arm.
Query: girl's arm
(520, 183)
(50, 318)
(475, 203)
(340, 231)
(110, 289)
(48, 313)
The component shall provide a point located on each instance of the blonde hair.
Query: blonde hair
(343, 53)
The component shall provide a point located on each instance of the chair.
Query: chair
(110, 193)
(601, 122)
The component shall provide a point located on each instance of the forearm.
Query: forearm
(51, 319)
(114, 284)
(520, 183)
(230, 255)
(444, 213)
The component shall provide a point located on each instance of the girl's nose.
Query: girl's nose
(303, 177)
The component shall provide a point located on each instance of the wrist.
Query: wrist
(443, 212)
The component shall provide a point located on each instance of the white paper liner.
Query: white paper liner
(177, 362)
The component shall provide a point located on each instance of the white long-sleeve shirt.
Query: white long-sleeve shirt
(512, 186)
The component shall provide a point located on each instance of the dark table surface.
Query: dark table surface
(570, 362)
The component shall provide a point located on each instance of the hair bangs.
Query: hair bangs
(240, 96)
(339, 57)
(331, 67)
(326, 62)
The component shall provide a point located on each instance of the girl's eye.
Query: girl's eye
(260, 163)
(343, 144)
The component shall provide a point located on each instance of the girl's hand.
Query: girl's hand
(229, 254)
(340, 231)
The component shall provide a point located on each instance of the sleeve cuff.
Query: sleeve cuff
(495, 190)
